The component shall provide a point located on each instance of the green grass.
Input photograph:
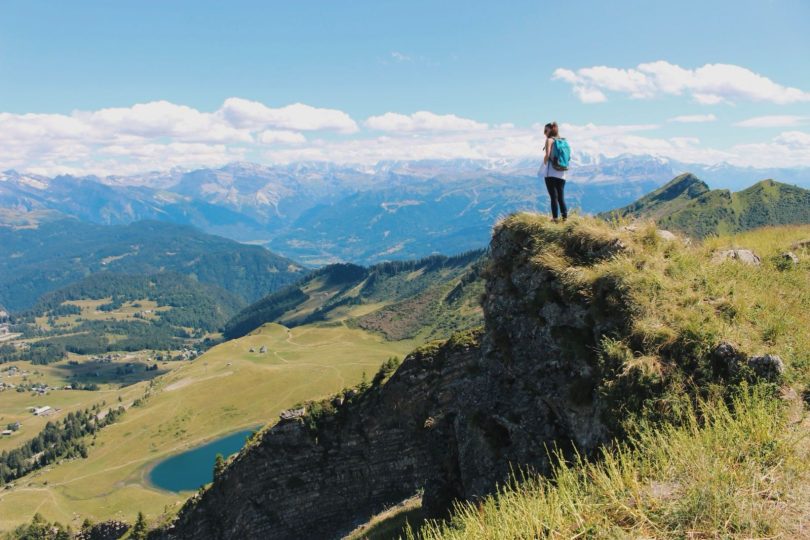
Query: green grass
(227, 389)
(391, 523)
(14, 405)
(723, 472)
(673, 305)
(704, 454)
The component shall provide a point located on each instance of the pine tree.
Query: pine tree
(364, 384)
(219, 465)
(139, 530)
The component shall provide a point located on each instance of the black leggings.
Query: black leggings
(556, 190)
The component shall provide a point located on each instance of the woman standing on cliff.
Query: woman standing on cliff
(556, 156)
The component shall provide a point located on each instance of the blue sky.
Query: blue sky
(493, 63)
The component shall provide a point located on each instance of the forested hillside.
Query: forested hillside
(399, 299)
(35, 260)
(117, 312)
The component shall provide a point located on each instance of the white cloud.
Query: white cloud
(401, 57)
(158, 134)
(162, 119)
(788, 149)
(161, 135)
(708, 85)
(422, 121)
(243, 113)
(281, 136)
(693, 118)
(493, 143)
(785, 120)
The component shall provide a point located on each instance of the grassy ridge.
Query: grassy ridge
(687, 205)
(675, 305)
(725, 472)
(727, 464)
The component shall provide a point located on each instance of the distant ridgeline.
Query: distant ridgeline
(686, 204)
(51, 254)
(432, 296)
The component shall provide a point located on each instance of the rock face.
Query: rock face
(455, 420)
(303, 481)
(106, 530)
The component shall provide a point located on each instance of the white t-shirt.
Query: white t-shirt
(551, 171)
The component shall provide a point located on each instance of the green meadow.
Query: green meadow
(227, 389)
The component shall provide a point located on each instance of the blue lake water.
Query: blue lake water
(193, 468)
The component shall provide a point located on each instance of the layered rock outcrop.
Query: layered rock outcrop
(455, 419)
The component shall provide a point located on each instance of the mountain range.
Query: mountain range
(686, 204)
(320, 213)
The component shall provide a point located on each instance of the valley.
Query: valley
(227, 389)
(180, 386)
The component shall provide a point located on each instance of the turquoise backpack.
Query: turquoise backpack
(560, 155)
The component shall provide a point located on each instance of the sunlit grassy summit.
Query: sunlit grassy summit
(686, 204)
(729, 463)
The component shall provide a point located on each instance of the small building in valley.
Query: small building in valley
(42, 411)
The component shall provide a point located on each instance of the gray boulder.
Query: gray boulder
(745, 256)
(666, 235)
(292, 414)
(768, 366)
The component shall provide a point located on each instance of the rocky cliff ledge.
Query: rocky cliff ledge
(550, 369)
